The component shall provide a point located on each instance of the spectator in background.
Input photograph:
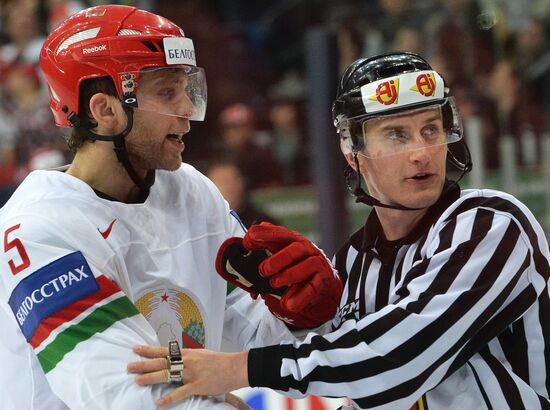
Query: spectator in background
(231, 182)
(8, 135)
(22, 26)
(454, 73)
(409, 38)
(59, 10)
(394, 13)
(473, 104)
(24, 106)
(456, 36)
(288, 138)
(250, 148)
(516, 112)
(533, 57)
(350, 44)
(390, 15)
(541, 8)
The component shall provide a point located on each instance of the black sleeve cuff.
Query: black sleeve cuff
(264, 367)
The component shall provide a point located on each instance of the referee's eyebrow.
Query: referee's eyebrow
(434, 118)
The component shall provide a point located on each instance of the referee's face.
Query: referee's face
(413, 177)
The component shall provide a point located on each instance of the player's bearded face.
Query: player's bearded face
(413, 178)
(155, 141)
(160, 121)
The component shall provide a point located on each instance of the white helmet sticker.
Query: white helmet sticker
(401, 90)
(179, 50)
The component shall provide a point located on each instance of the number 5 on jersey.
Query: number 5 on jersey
(17, 244)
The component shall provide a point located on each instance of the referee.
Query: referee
(446, 301)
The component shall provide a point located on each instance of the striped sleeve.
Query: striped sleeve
(75, 318)
(481, 269)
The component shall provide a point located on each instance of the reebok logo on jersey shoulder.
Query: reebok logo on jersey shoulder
(107, 231)
(50, 289)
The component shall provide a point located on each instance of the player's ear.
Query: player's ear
(107, 112)
(349, 154)
(350, 159)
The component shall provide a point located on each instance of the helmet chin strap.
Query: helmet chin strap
(363, 197)
(144, 184)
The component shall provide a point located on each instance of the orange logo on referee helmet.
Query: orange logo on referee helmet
(425, 84)
(386, 92)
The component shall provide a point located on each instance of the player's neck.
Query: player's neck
(99, 168)
(397, 224)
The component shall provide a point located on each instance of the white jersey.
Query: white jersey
(83, 279)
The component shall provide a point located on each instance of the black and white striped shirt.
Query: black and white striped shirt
(454, 316)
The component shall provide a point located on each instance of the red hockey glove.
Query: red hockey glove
(295, 278)
(239, 266)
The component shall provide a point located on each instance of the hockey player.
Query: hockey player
(120, 248)
(446, 301)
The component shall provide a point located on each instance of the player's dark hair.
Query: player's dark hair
(87, 89)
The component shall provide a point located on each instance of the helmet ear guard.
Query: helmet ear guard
(349, 140)
(346, 145)
(458, 155)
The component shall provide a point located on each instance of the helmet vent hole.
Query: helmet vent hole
(395, 70)
(128, 32)
(76, 38)
(150, 45)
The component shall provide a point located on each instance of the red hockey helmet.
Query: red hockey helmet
(121, 42)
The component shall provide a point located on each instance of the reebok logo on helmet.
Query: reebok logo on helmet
(94, 49)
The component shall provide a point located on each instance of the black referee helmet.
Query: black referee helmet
(390, 84)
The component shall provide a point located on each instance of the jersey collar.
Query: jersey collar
(373, 236)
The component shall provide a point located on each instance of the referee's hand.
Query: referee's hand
(205, 373)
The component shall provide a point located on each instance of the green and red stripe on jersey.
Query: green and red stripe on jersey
(99, 319)
(62, 304)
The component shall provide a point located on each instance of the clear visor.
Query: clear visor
(395, 134)
(176, 91)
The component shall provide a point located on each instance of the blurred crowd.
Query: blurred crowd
(495, 55)
(29, 138)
